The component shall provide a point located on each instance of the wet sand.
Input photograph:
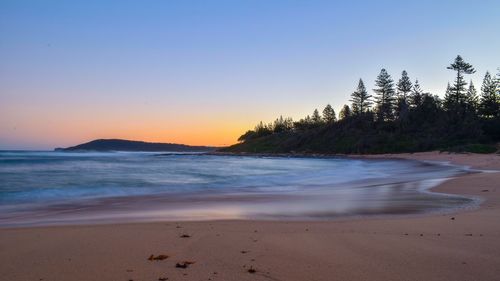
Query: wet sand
(460, 246)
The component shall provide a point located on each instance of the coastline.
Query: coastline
(460, 246)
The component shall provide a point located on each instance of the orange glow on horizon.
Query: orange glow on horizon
(47, 125)
(49, 130)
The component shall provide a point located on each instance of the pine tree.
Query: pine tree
(404, 85)
(450, 102)
(416, 97)
(316, 118)
(282, 124)
(360, 99)
(431, 123)
(449, 91)
(345, 112)
(385, 96)
(456, 97)
(498, 83)
(472, 99)
(489, 97)
(261, 129)
(403, 89)
(329, 114)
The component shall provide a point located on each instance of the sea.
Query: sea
(57, 188)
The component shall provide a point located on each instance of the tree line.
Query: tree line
(397, 116)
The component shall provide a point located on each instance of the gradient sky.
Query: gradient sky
(203, 72)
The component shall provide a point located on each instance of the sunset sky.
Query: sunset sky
(203, 72)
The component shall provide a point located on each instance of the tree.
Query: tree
(385, 96)
(262, 130)
(449, 91)
(329, 114)
(403, 89)
(304, 123)
(316, 118)
(498, 82)
(282, 124)
(360, 99)
(345, 112)
(427, 123)
(489, 98)
(450, 103)
(498, 85)
(404, 85)
(415, 99)
(472, 99)
(247, 136)
(456, 97)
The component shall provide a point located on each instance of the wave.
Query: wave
(191, 185)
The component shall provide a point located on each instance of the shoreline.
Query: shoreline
(487, 163)
(458, 246)
(147, 208)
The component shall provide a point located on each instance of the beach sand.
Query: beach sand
(459, 246)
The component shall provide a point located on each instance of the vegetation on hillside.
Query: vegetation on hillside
(129, 145)
(397, 117)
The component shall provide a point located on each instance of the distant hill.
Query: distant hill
(128, 145)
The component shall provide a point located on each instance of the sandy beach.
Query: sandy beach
(459, 246)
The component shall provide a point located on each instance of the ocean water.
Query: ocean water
(45, 188)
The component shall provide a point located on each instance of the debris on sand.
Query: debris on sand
(157, 258)
(244, 252)
(181, 265)
(162, 279)
(184, 264)
(251, 270)
(185, 236)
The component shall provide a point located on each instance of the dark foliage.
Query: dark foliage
(128, 145)
(408, 120)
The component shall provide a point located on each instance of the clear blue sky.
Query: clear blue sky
(202, 72)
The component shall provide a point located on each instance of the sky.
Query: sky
(204, 72)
